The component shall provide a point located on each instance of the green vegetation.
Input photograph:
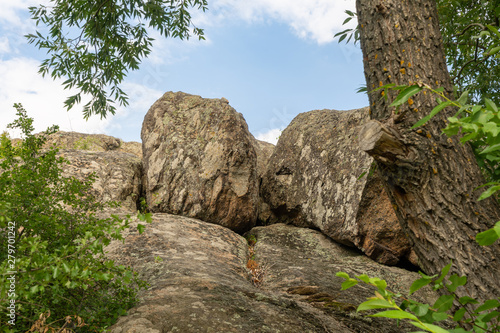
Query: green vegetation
(468, 46)
(93, 44)
(52, 244)
(479, 125)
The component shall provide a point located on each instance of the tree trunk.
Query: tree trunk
(431, 179)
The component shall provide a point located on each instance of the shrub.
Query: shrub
(52, 244)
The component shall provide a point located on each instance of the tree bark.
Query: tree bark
(431, 179)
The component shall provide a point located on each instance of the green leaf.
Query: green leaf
(418, 284)
(491, 128)
(361, 176)
(343, 275)
(489, 304)
(490, 149)
(494, 30)
(467, 300)
(348, 284)
(375, 303)
(434, 111)
(463, 98)
(140, 228)
(456, 281)
(439, 316)
(489, 192)
(489, 103)
(395, 314)
(405, 94)
(444, 303)
(459, 314)
(347, 20)
(493, 51)
(429, 327)
(365, 278)
(458, 330)
(490, 316)
(444, 272)
(420, 309)
(381, 284)
(489, 236)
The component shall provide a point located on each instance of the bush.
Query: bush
(52, 244)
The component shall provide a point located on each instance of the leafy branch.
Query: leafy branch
(93, 44)
(483, 318)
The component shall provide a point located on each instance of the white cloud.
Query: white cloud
(4, 45)
(270, 136)
(42, 97)
(13, 13)
(318, 20)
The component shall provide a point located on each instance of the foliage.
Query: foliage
(50, 225)
(480, 317)
(95, 43)
(348, 33)
(480, 126)
(469, 45)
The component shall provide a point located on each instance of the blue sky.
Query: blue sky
(272, 59)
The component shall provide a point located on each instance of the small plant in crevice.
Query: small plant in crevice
(257, 272)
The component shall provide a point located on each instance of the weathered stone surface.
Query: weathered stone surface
(199, 161)
(302, 263)
(382, 238)
(92, 142)
(200, 281)
(312, 181)
(264, 152)
(118, 174)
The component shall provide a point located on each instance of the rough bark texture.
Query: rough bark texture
(200, 161)
(430, 178)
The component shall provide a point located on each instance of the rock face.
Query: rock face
(382, 238)
(118, 175)
(264, 152)
(313, 180)
(117, 165)
(201, 281)
(92, 142)
(199, 161)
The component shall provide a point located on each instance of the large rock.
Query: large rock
(116, 164)
(314, 180)
(201, 280)
(118, 175)
(199, 161)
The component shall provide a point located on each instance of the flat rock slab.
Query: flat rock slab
(200, 280)
(200, 161)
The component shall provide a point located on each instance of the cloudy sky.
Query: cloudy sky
(272, 59)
